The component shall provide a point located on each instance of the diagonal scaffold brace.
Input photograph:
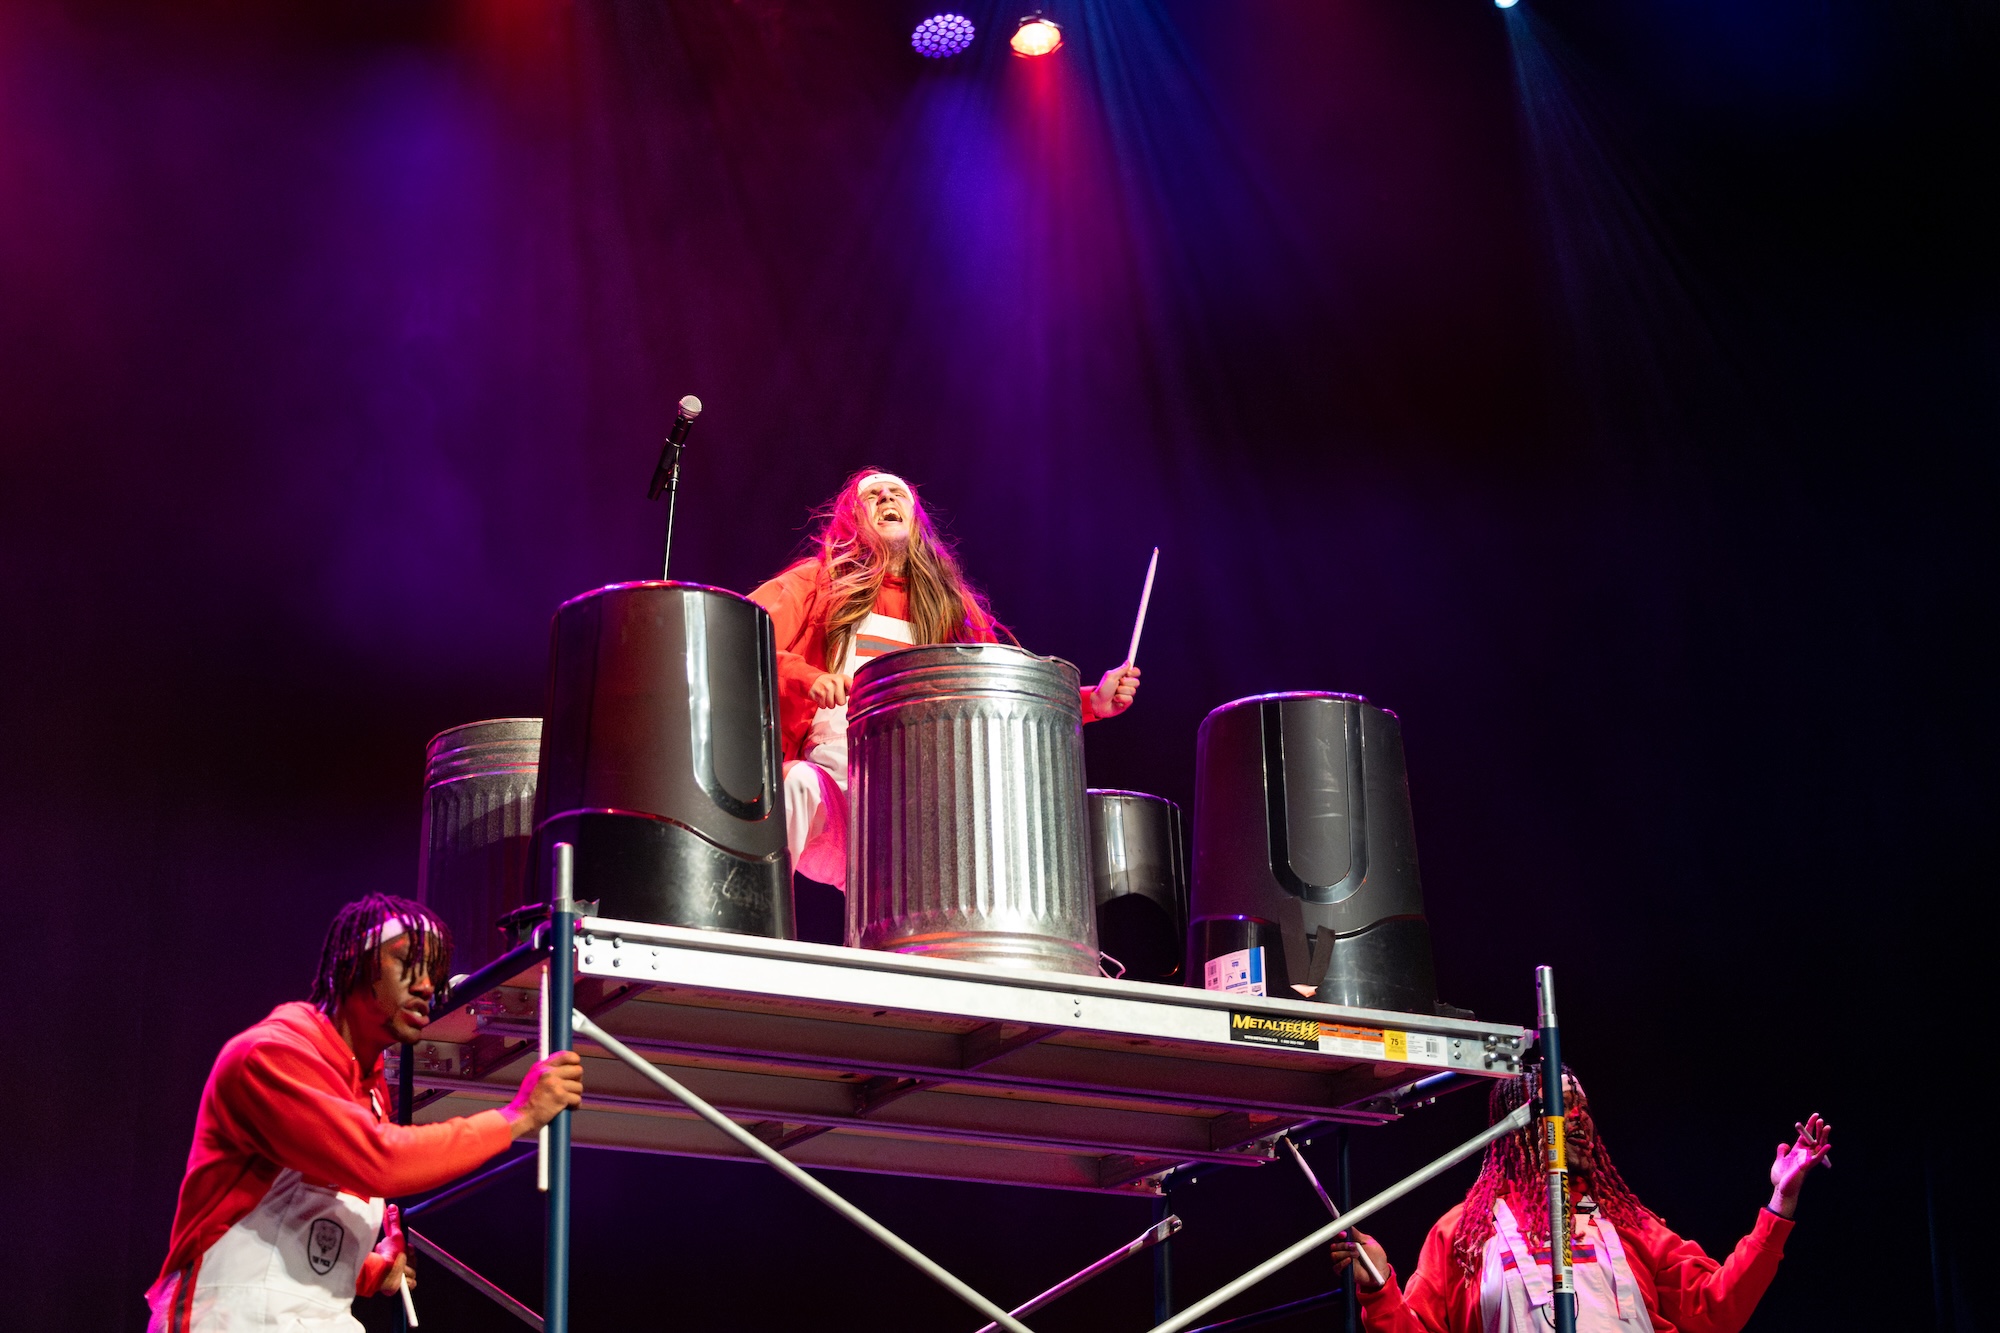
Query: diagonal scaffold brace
(1156, 1234)
(583, 1027)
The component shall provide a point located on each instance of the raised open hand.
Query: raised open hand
(1788, 1170)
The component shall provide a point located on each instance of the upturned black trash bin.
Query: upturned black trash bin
(659, 759)
(1304, 848)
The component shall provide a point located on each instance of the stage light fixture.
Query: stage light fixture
(942, 35)
(1506, 4)
(1036, 36)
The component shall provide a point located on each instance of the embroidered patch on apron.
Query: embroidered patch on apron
(324, 1240)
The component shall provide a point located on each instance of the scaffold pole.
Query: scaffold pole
(1555, 1160)
(562, 996)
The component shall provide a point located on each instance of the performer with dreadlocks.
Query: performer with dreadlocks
(880, 579)
(1485, 1265)
(294, 1149)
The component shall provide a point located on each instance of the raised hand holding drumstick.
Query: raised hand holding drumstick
(1115, 692)
(1120, 685)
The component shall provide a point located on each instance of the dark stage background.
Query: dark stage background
(1607, 387)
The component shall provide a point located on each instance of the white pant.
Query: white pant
(816, 822)
(816, 787)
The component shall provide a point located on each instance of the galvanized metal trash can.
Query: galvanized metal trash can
(966, 823)
(479, 806)
(1138, 880)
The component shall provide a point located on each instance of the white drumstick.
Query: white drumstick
(1374, 1273)
(1146, 596)
(409, 1302)
(542, 1134)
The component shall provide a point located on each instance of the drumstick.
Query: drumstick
(409, 1302)
(1145, 596)
(1374, 1273)
(542, 1134)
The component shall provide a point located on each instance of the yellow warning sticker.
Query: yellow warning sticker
(1395, 1045)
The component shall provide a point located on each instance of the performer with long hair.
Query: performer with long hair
(1485, 1266)
(295, 1150)
(880, 578)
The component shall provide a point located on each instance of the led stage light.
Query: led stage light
(1036, 36)
(942, 35)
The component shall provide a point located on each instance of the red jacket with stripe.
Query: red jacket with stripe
(799, 606)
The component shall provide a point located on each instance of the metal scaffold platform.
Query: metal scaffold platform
(857, 1060)
(708, 1044)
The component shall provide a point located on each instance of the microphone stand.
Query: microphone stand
(673, 492)
(667, 473)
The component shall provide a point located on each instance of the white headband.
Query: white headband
(861, 487)
(382, 934)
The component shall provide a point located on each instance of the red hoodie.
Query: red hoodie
(288, 1093)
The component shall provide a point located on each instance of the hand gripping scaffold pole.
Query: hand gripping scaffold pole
(1555, 1162)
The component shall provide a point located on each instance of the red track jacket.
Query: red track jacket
(289, 1093)
(1685, 1291)
(797, 600)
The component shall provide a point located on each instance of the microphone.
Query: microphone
(690, 408)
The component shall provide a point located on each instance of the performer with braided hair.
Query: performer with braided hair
(294, 1148)
(880, 578)
(1485, 1266)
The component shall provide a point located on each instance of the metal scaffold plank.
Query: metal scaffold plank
(870, 1061)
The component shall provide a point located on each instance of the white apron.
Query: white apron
(1515, 1286)
(289, 1265)
(826, 738)
(816, 790)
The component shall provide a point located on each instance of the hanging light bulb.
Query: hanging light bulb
(1036, 36)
